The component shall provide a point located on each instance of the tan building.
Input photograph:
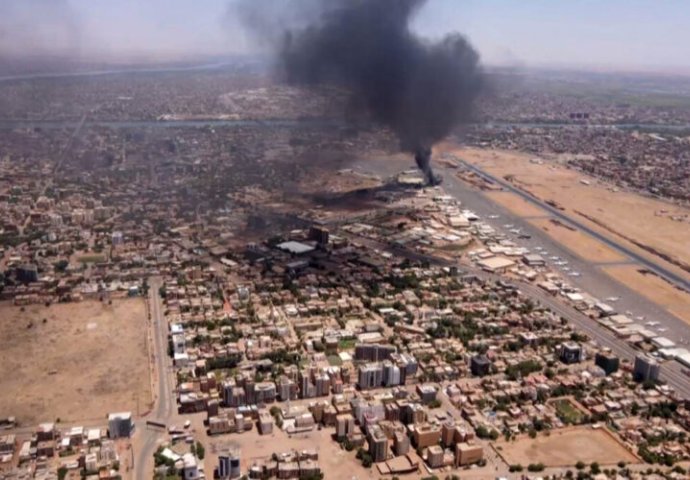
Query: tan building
(425, 435)
(401, 443)
(345, 424)
(463, 434)
(448, 433)
(467, 454)
(265, 422)
(496, 264)
(435, 456)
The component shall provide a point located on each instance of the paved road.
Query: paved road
(165, 403)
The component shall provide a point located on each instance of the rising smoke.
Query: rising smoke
(419, 89)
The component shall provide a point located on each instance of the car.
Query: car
(555, 258)
(575, 274)
(187, 424)
(612, 299)
(525, 236)
(493, 217)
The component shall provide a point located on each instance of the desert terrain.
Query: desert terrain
(653, 287)
(516, 204)
(566, 447)
(93, 356)
(576, 241)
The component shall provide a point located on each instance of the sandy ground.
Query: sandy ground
(633, 216)
(656, 289)
(566, 448)
(86, 360)
(579, 243)
(516, 204)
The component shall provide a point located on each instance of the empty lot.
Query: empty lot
(566, 448)
(579, 243)
(516, 204)
(655, 288)
(73, 361)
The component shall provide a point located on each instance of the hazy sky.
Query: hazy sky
(649, 34)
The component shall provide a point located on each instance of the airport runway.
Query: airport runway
(652, 266)
(591, 280)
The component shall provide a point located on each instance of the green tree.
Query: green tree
(200, 450)
(62, 472)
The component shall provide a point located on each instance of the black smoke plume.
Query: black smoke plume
(419, 89)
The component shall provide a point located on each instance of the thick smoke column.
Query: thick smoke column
(420, 90)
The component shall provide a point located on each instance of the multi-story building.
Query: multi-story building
(645, 368)
(448, 433)
(425, 434)
(120, 425)
(373, 352)
(480, 365)
(287, 389)
(345, 424)
(435, 456)
(607, 361)
(571, 352)
(427, 393)
(229, 465)
(370, 376)
(378, 444)
(401, 443)
(467, 454)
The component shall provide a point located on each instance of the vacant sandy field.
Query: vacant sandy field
(656, 289)
(516, 204)
(579, 243)
(627, 214)
(565, 448)
(75, 361)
